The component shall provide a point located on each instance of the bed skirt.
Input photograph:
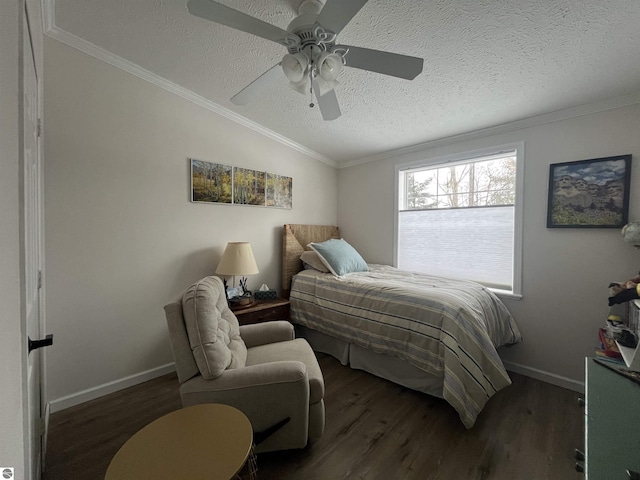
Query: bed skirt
(390, 368)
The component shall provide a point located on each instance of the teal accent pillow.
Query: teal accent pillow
(339, 257)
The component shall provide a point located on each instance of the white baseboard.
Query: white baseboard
(111, 387)
(551, 378)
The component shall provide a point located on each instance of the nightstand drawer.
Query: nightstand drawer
(264, 311)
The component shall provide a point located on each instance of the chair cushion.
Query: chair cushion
(298, 350)
(213, 330)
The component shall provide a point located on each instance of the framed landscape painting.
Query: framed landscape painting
(590, 193)
(279, 191)
(224, 184)
(211, 182)
(248, 186)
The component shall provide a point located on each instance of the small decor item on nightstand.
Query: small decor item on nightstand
(245, 298)
(241, 301)
(264, 293)
(238, 259)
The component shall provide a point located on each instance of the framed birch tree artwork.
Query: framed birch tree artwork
(248, 187)
(218, 183)
(211, 182)
(279, 191)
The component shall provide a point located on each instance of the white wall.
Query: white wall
(123, 239)
(566, 272)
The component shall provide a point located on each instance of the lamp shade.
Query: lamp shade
(329, 66)
(295, 66)
(237, 259)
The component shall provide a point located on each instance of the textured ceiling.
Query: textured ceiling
(487, 62)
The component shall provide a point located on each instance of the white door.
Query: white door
(33, 253)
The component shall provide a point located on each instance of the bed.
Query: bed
(435, 335)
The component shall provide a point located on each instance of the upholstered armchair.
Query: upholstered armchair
(260, 369)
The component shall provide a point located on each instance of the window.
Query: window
(460, 217)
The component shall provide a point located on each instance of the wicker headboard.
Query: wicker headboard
(295, 239)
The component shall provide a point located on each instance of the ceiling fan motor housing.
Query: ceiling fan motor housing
(309, 41)
(305, 27)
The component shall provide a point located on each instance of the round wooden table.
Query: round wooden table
(208, 441)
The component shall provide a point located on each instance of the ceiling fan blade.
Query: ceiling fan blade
(337, 13)
(328, 103)
(387, 63)
(218, 13)
(254, 89)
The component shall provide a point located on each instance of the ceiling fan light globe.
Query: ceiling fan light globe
(329, 66)
(295, 66)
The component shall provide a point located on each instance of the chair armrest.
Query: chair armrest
(267, 332)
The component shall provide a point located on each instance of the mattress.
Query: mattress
(444, 327)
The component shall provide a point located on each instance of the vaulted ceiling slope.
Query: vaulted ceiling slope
(486, 63)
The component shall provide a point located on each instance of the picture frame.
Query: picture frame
(211, 182)
(279, 191)
(248, 186)
(217, 183)
(591, 193)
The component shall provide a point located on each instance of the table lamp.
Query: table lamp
(237, 259)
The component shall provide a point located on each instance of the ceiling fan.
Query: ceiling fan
(314, 60)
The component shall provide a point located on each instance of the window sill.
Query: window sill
(506, 294)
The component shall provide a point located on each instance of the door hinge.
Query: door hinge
(39, 279)
(39, 127)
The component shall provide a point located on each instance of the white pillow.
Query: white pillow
(312, 259)
(339, 257)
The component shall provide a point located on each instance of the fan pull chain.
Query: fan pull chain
(311, 104)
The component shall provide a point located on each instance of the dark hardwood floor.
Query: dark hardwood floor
(374, 430)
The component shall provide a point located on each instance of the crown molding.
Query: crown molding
(90, 49)
(581, 110)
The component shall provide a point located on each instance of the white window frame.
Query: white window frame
(463, 157)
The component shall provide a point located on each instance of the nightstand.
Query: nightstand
(263, 311)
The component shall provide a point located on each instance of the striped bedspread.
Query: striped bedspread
(448, 328)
